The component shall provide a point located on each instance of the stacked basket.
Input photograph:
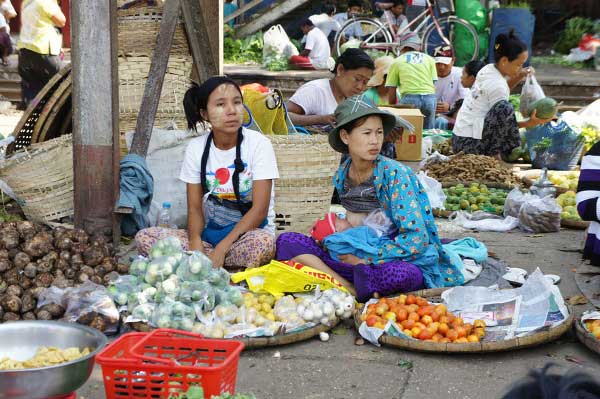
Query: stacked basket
(138, 30)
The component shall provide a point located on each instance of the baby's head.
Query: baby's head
(331, 223)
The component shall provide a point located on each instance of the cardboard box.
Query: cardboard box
(408, 147)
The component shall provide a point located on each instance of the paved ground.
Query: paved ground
(339, 369)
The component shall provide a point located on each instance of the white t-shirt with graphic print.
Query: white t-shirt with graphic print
(259, 161)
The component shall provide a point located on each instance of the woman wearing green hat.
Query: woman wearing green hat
(367, 182)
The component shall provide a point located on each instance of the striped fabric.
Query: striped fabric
(588, 192)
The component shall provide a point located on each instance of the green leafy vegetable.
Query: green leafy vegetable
(575, 28)
(248, 49)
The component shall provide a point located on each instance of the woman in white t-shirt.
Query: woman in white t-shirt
(235, 228)
(314, 103)
(486, 123)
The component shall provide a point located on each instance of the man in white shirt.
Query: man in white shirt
(326, 23)
(448, 87)
(316, 50)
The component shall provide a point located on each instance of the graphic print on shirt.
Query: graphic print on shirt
(220, 182)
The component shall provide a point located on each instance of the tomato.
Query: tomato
(427, 320)
(401, 315)
(411, 299)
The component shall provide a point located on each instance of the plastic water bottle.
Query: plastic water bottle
(164, 216)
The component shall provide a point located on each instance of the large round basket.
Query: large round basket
(42, 199)
(303, 191)
(502, 186)
(529, 177)
(471, 347)
(585, 337)
(574, 224)
(263, 342)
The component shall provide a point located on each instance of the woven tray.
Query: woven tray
(502, 186)
(585, 337)
(529, 177)
(261, 342)
(574, 225)
(471, 347)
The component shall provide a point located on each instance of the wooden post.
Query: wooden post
(95, 113)
(202, 25)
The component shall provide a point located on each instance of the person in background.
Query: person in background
(395, 17)
(354, 8)
(314, 103)
(7, 12)
(315, 54)
(469, 73)
(378, 93)
(326, 23)
(229, 8)
(486, 123)
(448, 87)
(588, 192)
(229, 174)
(414, 73)
(39, 45)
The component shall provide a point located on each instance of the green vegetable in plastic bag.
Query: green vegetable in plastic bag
(160, 269)
(143, 311)
(165, 247)
(195, 268)
(219, 277)
(122, 287)
(138, 267)
(174, 314)
(198, 293)
(234, 295)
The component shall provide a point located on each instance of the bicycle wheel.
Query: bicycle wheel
(461, 34)
(366, 33)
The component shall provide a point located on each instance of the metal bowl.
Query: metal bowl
(20, 340)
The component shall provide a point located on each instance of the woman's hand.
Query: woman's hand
(328, 120)
(217, 256)
(351, 259)
(442, 107)
(196, 244)
(535, 121)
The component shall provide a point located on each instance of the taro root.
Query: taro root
(70, 283)
(11, 303)
(62, 264)
(9, 238)
(87, 318)
(43, 315)
(87, 270)
(70, 273)
(47, 263)
(58, 273)
(63, 242)
(78, 248)
(30, 270)
(1, 313)
(21, 260)
(39, 245)
(122, 268)
(76, 259)
(100, 271)
(64, 255)
(35, 292)
(14, 290)
(3, 286)
(10, 316)
(25, 282)
(96, 280)
(28, 303)
(29, 316)
(60, 282)
(82, 277)
(5, 265)
(26, 229)
(12, 277)
(94, 254)
(107, 279)
(108, 264)
(98, 323)
(81, 236)
(13, 252)
(54, 309)
(99, 240)
(3, 254)
(44, 280)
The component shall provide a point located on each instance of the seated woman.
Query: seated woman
(314, 103)
(588, 192)
(486, 123)
(367, 181)
(229, 175)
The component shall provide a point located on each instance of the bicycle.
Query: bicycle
(378, 36)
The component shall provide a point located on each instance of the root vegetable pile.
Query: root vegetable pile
(33, 257)
(471, 168)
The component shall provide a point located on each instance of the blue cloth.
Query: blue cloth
(361, 241)
(136, 191)
(466, 248)
(229, 8)
(405, 202)
(426, 103)
(214, 233)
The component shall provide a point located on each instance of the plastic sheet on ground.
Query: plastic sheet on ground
(483, 221)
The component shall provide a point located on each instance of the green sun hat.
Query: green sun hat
(353, 108)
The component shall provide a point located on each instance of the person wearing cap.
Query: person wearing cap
(366, 182)
(414, 73)
(316, 49)
(448, 87)
(314, 103)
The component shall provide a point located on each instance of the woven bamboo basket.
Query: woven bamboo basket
(586, 338)
(574, 224)
(262, 342)
(529, 177)
(138, 28)
(472, 347)
(303, 191)
(50, 198)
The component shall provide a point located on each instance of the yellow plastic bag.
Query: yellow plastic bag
(278, 278)
(267, 110)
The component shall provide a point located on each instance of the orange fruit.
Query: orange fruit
(425, 334)
(420, 325)
(389, 316)
(416, 331)
(468, 327)
(479, 323)
(461, 331)
(427, 320)
(458, 321)
(444, 340)
(461, 340)
(421, 301)
(371, 308)
(450, 318)
(452, 335)
(408, 332)
(435, 316)
(444, 319)
(363, 317)
(473, 338)
(411, 299)
(435, 326)
(425, 310)
(442, 309)
(380, 324)
(401, 315)
(401, 299)
(438, 336)
(480, 332)
(408, 324)
(443, 328)
(412, 308)
(413, 316)
(371, 320)
(381, 309)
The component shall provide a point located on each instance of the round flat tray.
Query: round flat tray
(261, 342)
(503, 186)
(528, 177)
(441, 213)
(574, 225)
(471, 347)
(585, 337)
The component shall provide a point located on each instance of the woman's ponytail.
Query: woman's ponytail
(191, 106)
(508, 45)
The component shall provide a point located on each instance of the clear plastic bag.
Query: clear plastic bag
(138, 267)
(378, 221)
(122, 287)
(166, 247)
(219, 277)
(195, 268)
(174, 314)
(532, 91)
(198, 293)
(286, 310)
(434, 190)
(540, 215)
(484, 221)
(513, 202)
(159, 269)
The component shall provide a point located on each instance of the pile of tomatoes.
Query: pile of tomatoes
(422, 320)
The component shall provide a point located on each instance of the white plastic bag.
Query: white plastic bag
(479, 221)
(434, 158)
(514, 200)
(380, 223)
(532, 91)
(540, 215)
(277, 45)
(434, 190)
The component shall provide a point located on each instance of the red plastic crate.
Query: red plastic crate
(142, 365)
